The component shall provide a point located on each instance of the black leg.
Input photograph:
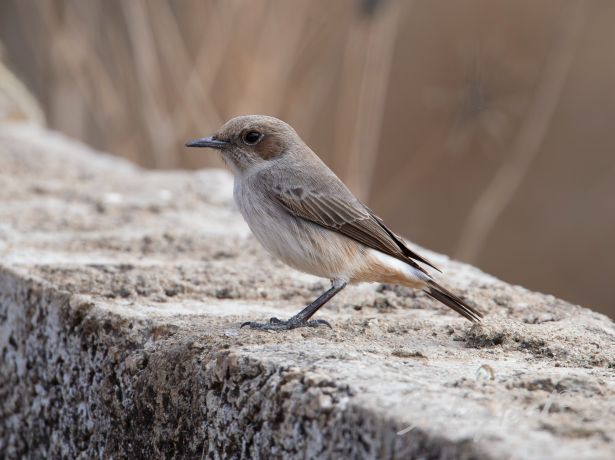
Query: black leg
(301, 319)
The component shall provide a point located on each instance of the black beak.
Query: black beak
(210, 142)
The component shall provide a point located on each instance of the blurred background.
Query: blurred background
(482, 129)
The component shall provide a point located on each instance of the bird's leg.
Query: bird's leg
(301, 319)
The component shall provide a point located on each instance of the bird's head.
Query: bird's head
(251, 141)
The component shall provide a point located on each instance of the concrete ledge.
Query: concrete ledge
(121, 292)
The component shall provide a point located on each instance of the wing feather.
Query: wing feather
(340, 211)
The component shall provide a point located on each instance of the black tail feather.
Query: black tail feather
(451, 300)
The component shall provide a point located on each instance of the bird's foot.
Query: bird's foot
(276, 324)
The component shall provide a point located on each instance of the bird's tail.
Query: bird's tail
(449, 299)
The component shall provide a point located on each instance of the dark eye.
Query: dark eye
(252, 137)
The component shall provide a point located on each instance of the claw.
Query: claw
(301, 319)
(276, 324)
(319, 322)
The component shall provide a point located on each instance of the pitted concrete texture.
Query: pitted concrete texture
(121, 296)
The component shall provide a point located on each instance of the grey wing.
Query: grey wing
(336, 208)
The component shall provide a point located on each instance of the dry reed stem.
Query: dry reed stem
(266, 89)
(372, 95)
(500, 191)
(369, 47)
(310, 93)
(194, 105)
(147, 66)
(86, 69)
(202, 74)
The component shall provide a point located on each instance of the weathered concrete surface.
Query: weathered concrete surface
(121, 293)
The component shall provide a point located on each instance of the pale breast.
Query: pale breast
(299, 243)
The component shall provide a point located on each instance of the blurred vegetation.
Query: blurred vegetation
(479, 128)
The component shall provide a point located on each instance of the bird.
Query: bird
(303, 214)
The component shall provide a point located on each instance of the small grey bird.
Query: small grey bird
(303, 214)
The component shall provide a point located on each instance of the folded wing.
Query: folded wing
(338, 210)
